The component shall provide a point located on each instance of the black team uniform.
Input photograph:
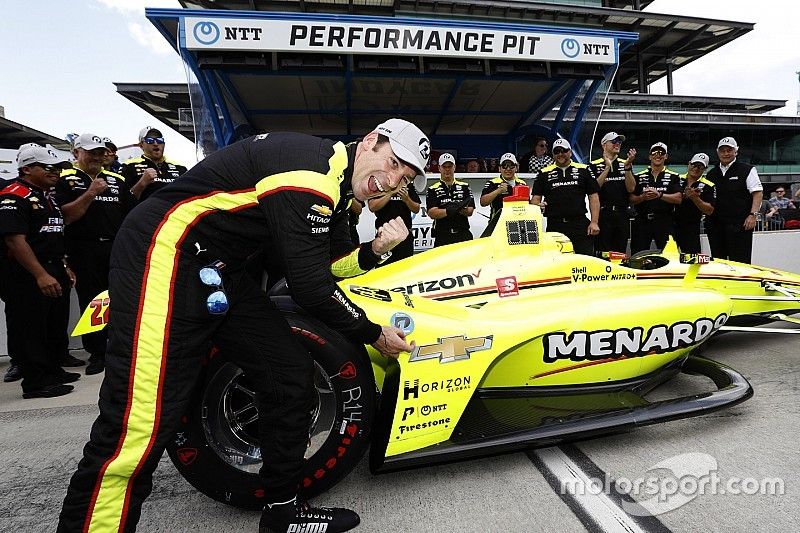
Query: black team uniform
(688, 216)
(284, 189)
(565, 190)
(89, 240)
(37, 323)
(497, 203)
(394, 208)
(654, 218)
(614, 221)
(455, 226)
(168, 171)
(724, 228)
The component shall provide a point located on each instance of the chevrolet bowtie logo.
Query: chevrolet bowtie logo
(450, 349)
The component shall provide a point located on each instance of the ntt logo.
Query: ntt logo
(570, 47)
(206, 32)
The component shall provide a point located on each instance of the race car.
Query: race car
(518, 343)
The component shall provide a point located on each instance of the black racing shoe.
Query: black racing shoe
(69, 377)
(70, 360)
(299, 517)
(50, 391)
(14, 373)
(95, 366)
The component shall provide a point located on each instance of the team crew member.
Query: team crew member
(38, 281)
(657, 192)
(180, 257)
(699, 197)
(450, 204)
(94, 202)
(111, 161)
(400, 204)
(152, 170)
(616, 181)
(566, 185)
(739, 194)
(498, 188)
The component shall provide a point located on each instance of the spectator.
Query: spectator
(450, 204)
(657, 192)
(566, 185)
(38, 278)
(498, 188)
(94, 202)
(779, 201)
(539, 157)
(699, 197)
(112, 159)
(152, 170)
(388, 207)
(739, 194)
(473, 166)
(616, 181)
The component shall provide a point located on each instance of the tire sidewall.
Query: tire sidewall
(353, 383)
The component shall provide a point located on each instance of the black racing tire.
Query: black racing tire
(216, 445)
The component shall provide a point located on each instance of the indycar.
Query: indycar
(519, 343)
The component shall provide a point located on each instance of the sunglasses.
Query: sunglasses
(508, 165)
(616, 141)
(49, 168)
(217, 301)
(559, 151)
(153, 140)
(658, 152)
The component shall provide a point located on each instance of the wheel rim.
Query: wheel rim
(230, 417)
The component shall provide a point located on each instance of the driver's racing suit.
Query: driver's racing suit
(285, 189)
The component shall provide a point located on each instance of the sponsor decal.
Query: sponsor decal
(403, 322)
(507, 286)
(634, 342)
(428, 424)
(7, 201)
(318, 219)
(313, 336)
(422, 287)
(451, 349)
(691, 259)
(339, 297)
(369, 292)
(412, 389)
(323, 210)
(580, 275)
(347, 371)
(308, 527)
(407, 300)
(187, 455)
(425, 410)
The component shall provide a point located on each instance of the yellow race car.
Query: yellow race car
(519, 343)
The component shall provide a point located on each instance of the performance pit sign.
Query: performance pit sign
(336, 37)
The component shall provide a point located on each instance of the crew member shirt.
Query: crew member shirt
(666, 182)
(494, 183)
(442, 196)
(613, 191)
(565, 189)
(687, 212)
(168, 171)
(396, 207)
(28, 210)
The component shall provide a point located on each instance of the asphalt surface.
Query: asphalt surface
(41, 441)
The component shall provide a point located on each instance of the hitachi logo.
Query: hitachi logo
(443, 284)
(310, 527)
(604, 344)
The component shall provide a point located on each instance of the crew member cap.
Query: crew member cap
(611, 136)
(109, 144)
(699, 158)
(39, 154)
(658, 146)
(508, 157)
(561, 143)
(446, 158)
(727, 141)
(407, 142)
(88, 141)
(147, 129)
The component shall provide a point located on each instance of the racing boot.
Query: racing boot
(299, 517)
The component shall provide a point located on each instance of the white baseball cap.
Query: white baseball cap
(727, 141)
(29, 155)
(88, 141)
(610, 136)
(407, 142)
(446, 158)
(508, 156)
(659, 145)
(147, 129)
(699, 158)
(561, 143)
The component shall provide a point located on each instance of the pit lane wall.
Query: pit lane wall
(775, 249)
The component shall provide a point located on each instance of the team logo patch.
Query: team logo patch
(322, 210)
(507, 286)
(403, 322)
(187, 455)
(451, 349)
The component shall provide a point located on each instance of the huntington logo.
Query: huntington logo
(451, 349)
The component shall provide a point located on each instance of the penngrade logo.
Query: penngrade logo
(451, 349)
(582, 346)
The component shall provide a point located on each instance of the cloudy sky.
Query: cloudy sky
(66, 54)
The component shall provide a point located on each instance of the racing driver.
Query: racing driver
(178, 283)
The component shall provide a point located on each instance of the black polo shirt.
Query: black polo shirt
(613, 190)
(28, 210)
(106, 212)
(565, 189)
(168, 171)
(494, 183)
(666, 181)
(396, 207)
(687, 212)
(442, 196)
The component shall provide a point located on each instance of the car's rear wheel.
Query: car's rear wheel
(216, 447)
